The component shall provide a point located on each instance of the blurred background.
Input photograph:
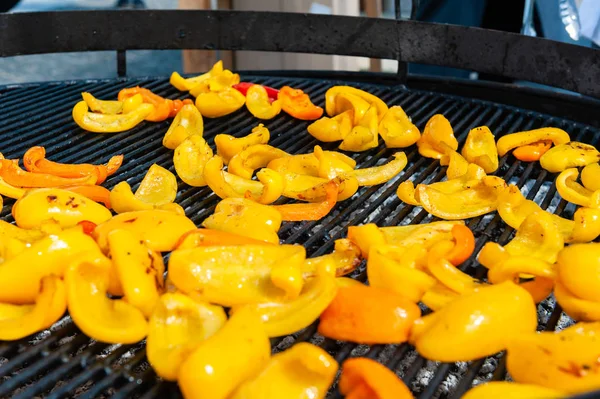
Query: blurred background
(572, 21)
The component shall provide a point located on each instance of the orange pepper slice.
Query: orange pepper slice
(464, 244)
(532, 152)
(311, 211)
(15, 176)
(162, 106)
(177, 105)
(95, 193)
(368, 315)
(363, 378)
(209, 237)
(297, 104)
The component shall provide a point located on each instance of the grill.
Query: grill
(63, 362)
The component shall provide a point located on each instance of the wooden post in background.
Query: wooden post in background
(373, 10)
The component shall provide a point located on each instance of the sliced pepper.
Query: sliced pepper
(309, 188)
(239, 274)
(406, 193)
(344, 259)
(218, 82)
(458, 166)
(505, 389)
(480, 148)
(364, 135)
(218, 365)
(381, 174)
(570, 190)
(245, 162)
(214, 104)
(296, 103)
(13, 175)
(475, 318)
(397, 129)
(9, 190)
(368, 315)
(350, 102)
(438, 138)
(306, 164)
(208, 237)
(303, 371)
(186, 123)
(158, 187)
(532, 152)
(586, 225)
(590, 176)
(364, 378)
(514, 140)
(65, 207)
(189, 160)
(107, 320)
(178, 105)
(257, 102)
(332, 129)
(131, 103)
(569, 155)
(331, 94)
(183, 84)
(446, 273)
(177, 326)
(100, 123)
(243, 87)
(330, 165)
(228, 146)
(163, 108)
(438, 296)
(312, 211)
(102, 106)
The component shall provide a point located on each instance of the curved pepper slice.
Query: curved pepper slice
(458, 166)
(218, 82)
(480, 148)
(228, 146)
(35, 161)
(100, 123)
(309, 188)
(406, 193)
(373, 100)
(214, 104)
(569, 155)
(163, 107)
(257, 102)
(532, 152)
(186, 123)
(438, 296)
(243, 87)
(281, 318)
(330, 165)
(183, 84)
(570, 190)
(102, 106)
(364, 135)
(296, 103)
(218, 365)
(303, 371)
(344, 259)
(239, 274)
(97, 194)
(381, 174)
(514, 140)
(475, 318)
(103, 319)
(566, 360)
(124, 200)
(446, 273)
(13, 175)
(50, 305)
(577, 308)
(247, 218)
(245, 162)
(307, 164)
(65, 207)
(590, 176)
(189, 159)
(178, 105)
(538, 236)
(10, 191)
(397, 129)
(363, 378)
(177, 325)
(158, 187)
(505, 389)
(312, 211)
(350, 102)
(332, 129)
(586, 225)
(207, 237)
(438, 138)
(368, 315)
(159, 229)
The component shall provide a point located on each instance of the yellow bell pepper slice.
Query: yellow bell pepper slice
(303, 371)
(124, 200)
(102, 106)
(514, 140)
(577, 308)
(438, 138)
(228, 146)
(446, 273)
(332, 129)
(186, 123)
(306, 164)
(347, 282)
(65, 207)
(236, 353)
(100, 123)
(475, 318)
(380, 174)
(107, 320)
(569, 155)
(480, 148)
(10, 191)
(131, 103)
(538, 236)
(397, 129)
(578, 267)
(364, 135)
(314, 189)
(220, 103)
(158, 187)
(217, 82)
(245, 162)
(247, 218)
(438, 296)
(505, 389)
(183, 84)
(344, 259)
(281, 318)
(330, 166)
(189, 159)
(159, 229)
(19, 321)
(27, 236)
(406, 193)
(586, 225)
(257, 102)
(237, 275)
(570, 190)
(590, 177)
(177, 326)
(350, 102)
(20, 276)
(458, 166)
(566, 361)
(332, 93)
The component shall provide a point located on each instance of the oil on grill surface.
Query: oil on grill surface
(62, 362)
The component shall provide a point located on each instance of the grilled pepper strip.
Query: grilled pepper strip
(475, 318)
(438, 138)
(364, 135)
(397, 130)
(569, 155)
(217, 83)
(446, 273)
(247, 218)
(480, 148)
(244, 163)
(307, 164)
(312, 211)
(586, 226)
(381, 174)
(187, 122)
(332, 93)
(163, 107)
(303, 371)
(214, 104)
(332, 129)
(13, 175)
(189, 160)
(505, 389)
(570, 190)
(330, 165)
(243, 87)
(158, 187)
(228, 146)
(355, 311)
(350, 102)
(363, 378)
(221, 363)
(209, 237)
(532, 152)
(103, 319)
(50, 305)
(296, 103)
(257, 102)
(177, 326)
(590, 176)
(102, 106)
(344, 259)
(183, 84)
(100, 123)
(514, 140)
(309, 188)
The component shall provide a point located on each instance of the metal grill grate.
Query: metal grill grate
(62, 362)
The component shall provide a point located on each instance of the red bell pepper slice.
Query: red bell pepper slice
(243, 87)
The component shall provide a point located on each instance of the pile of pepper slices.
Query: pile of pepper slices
(108, 271)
